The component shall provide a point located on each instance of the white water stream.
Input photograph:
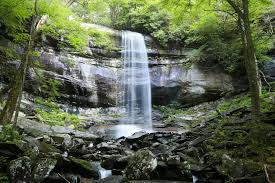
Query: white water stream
(136, 79)
(136, 86)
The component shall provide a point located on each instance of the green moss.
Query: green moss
(47, 103)
(70, 63)
(187, 65)
(45, 147)
(84, 164)
(238, 102)
(267, 102)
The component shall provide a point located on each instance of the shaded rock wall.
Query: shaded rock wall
(94, 79)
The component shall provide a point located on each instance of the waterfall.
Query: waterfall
(136, 79)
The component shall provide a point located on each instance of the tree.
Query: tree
(23, 20)
(248, 29)
(15, 94)
(242, 10)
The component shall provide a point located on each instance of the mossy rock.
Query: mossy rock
(20, 170)
(141, 165)
(43, 168)
(46, 148)
(83, 168)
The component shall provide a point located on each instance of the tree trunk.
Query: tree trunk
(250, 60)
(7, 113)
(15, 95)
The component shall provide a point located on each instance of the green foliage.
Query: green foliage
(47, 103)
(9, 133)
(237, 102)
(57, 117)
(7, 53)
(14, 14)
(267, 103)
(214, 35)
(51, 87)
(101, 39)
(47, 87)
(67, 31)
(4, 178)
(50, 113)
(95, 11)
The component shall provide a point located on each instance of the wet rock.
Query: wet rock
(269, 72)
(140, 166)
(64, 178)
(86, 168)
(136, 136)
(161, 149)
(20, 170)
(118, 163)
(111, 179)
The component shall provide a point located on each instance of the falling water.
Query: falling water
(136, 79)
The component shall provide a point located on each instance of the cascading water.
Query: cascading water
(136, 79)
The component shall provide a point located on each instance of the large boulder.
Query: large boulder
(77, 166)
(140, 166)
(21, 170)
(43, 168)
(40, 129)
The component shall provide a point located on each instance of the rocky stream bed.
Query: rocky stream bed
(217, 150)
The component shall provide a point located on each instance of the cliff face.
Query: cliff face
(94, 80)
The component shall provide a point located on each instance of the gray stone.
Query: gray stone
(40, 129)
(43, 168)
(20, 170)
(111, 179)
(96, 82)
(269, 70)
(141, 164)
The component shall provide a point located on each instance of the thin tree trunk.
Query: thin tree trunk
(15, 95)
(250, 60)
(30, 45)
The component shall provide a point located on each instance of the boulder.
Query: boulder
(43, 168)
(77, 166)
(111, 179)
(269, 70)
(40, 129)
(140, 165)
(20, 170)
